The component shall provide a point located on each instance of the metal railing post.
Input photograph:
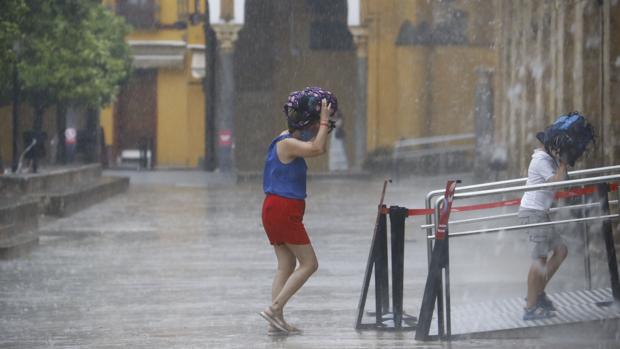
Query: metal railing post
(440, 318)
(586, 245)
(436, 288)
(397, 234)
(429, 230)
(380, 225)
(447, 286)
(612, 262)
(433, 289)
(430, 195)
(382, 297)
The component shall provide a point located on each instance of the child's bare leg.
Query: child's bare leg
(553, 264)
(536, 281)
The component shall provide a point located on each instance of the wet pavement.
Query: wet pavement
(181, 261)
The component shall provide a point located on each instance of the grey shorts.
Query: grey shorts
(542, 239)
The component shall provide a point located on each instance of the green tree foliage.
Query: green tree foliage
(73, 53)
(11, 16)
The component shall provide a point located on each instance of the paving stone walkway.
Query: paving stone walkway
(174, 263)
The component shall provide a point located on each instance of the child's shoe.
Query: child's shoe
(537, 312)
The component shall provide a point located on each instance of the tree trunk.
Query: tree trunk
(61, 125)
(92, 134)
(37, 123)
(37, 127)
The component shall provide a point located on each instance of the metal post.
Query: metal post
(397, 233)
(429, 231)
(439, 245)
(379, 230)
(432, 291)
(586, 248)
(382, 295)
(612, 262)
(380, 225)
(433, 288)
(447, 286)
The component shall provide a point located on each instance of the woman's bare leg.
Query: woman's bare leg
(286, 267)
(308, 264)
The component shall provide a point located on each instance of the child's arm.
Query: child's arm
(561, 174)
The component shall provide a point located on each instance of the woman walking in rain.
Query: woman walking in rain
(284, 183)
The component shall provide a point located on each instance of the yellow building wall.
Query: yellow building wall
(396, 97)
(454, 81)
(180, 100)
(172, 121)
(421, 90)
(196, 123)
(106, 119)
(411, 95)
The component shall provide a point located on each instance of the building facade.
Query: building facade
(162, 105)
(401, 69)
(555, 57)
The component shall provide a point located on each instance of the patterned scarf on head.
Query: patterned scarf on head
(302, 107)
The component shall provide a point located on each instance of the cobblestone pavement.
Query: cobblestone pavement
(174, 263)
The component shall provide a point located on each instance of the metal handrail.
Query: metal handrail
(21, 157)
(531, 225)
(551, 185)
(525, 188)
(514, 214)
(605, 216)
(519, 180)
(434, 193)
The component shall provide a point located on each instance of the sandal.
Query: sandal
(274, 331)
(293, 330)
(268, 314)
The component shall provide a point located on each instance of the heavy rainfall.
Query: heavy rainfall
(309, 173)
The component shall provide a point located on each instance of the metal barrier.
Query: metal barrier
(438, 288)
(397, 319)
(436, 193)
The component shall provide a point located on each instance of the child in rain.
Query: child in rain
(284, 183)
(564, 142)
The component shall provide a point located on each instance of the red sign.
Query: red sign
(224, 138)
(70, 136)
(444, 210)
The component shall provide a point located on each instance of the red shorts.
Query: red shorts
(283, 220)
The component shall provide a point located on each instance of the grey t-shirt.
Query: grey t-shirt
(542, 168)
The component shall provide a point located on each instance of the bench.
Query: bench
(134, 158)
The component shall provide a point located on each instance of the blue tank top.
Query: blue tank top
(286, 180)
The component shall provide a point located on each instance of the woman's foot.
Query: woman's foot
(292, 329)
(279, 315)
(271, 315)
(274, 331)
